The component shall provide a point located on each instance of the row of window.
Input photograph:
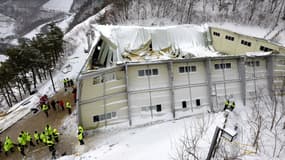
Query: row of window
(102, 117)
(265, 49)
(252, 63)
(184, 103)
(223, 66)
(157, 107)
(183, 69)
(148, 72)
(229, 38)
(246, 43)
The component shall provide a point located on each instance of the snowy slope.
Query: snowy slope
(7, 26)
(58, 5)
(152, 142)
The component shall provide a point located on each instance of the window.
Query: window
(114, 114)
(96, 80)
(253, 63)
(265, 49)
(216, 34)
(198, 103)
(183, 69)
(148, 72)
(103, 117)
(141, 73)
(229, 38)
(154, 71)
(95, 118)
(184, 104)
(158, 108)
(246, 43)
(223, 66)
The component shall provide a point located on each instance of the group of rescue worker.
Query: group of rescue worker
(56, 105)
(229, 105)
(48, 137)
(67, 83)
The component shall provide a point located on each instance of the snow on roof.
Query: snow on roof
(255, 54)
(186, 39)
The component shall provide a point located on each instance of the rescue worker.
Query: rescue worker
(29, 139)
(48, 130)
(55, 135)
(80, 129)
(227, 103)
(80, 138)
(65, 83)
(232, 106)
(21, 141)
(68, 106)
(51, 147)
(43, 137)
(37, 137)
(24, 138)
(44, 108)
(21, 150)
(71, 83)
(8, 145)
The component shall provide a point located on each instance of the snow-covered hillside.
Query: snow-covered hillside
(62, 5)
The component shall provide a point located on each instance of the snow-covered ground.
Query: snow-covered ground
(58, 5)
(3, 58)
(7, 26)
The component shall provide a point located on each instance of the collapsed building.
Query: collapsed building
(141, 74)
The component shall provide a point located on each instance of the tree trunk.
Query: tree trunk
(5, 97)
(19, 89)
(12, 93)
(9, 98)
(34, 78)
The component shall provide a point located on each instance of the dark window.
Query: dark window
(158, 108)
(184, 104)
(198, 103)
(228, 65)
(187, 69)
(216, 34)
(257, 63)
(148, 72)
(265, 49)
(114, 114)
(154, 71)
(217, 66)
(109, 115)
(193, 68)
(245, 43)
(222, 65)
(95, 118)
(102, 117)
(181, 69)
(141, 73)
(229, 38)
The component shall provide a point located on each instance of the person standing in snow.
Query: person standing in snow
(61, 104)
(44, 108)
(21, 150)
(52, 103)
(74, 91)
(37, 137)
(232, 106)
(68, 106)
(80, 138)
(227, 103)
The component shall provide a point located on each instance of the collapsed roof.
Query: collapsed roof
(120, 44)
